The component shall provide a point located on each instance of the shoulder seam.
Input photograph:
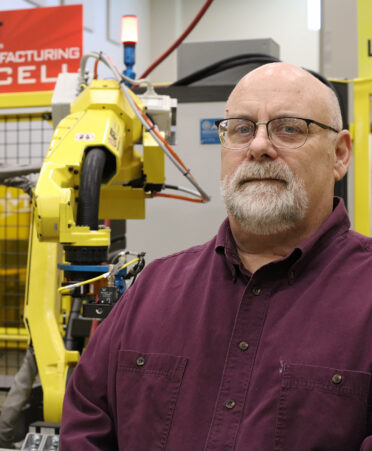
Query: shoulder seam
(358, 237)
(193, 250)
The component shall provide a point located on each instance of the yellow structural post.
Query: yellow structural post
(362, 129)
(364, 38)
(362, 157)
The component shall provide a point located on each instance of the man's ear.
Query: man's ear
(343, 150)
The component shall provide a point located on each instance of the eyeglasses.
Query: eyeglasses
(283, 132)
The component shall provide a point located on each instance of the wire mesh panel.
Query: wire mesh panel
(24, 139)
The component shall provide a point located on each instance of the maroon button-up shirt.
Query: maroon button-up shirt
(202, 355)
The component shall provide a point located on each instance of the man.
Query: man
(261, 338)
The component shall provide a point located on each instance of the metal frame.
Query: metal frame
(26, 99)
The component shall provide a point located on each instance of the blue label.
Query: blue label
(208, 131)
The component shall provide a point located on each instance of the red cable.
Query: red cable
(175, 156)
(95, 71)
(170, 149)
(93, 327)
(173, 196)
(179, 40)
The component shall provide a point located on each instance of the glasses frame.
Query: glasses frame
(256, 124)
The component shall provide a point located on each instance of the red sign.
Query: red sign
(37, 44)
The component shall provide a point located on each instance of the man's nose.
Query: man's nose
(261, 147)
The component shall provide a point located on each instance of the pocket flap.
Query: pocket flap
(335, 380)
(166, 365)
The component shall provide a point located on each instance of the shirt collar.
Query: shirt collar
(225, 244)
(336, 224)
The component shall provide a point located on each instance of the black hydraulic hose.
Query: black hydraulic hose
(90, 187)
(238, 60)
(87, 215)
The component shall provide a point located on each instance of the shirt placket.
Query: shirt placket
(238, 368)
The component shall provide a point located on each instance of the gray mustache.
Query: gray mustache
(269, 170)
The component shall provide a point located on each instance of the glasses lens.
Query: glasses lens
(236, 133)
(288, 133)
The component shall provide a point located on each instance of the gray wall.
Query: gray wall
(339, 39)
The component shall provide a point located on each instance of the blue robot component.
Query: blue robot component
(97, 305)
(99, 269)
(129, 60)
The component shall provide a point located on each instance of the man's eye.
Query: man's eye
(289, 129)
(244, 130)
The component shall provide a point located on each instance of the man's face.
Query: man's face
(266, 197)
(270, 190)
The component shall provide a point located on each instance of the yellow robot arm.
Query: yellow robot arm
(92, 146)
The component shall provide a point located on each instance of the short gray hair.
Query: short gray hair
(334, 110)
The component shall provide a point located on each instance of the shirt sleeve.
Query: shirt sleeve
(88, 421)
(367, 444)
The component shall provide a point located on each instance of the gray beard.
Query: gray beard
(265, 208)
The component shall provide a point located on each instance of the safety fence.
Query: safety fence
(25, 133)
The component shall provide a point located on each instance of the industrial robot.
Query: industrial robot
(91, 172)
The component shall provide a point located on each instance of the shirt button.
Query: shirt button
(243, 345)
(230, 404)
(337, 379)
(256, 291)
(291, 276)
(140, 361)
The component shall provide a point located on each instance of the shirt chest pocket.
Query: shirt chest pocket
(323, 409)
(147, 387)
